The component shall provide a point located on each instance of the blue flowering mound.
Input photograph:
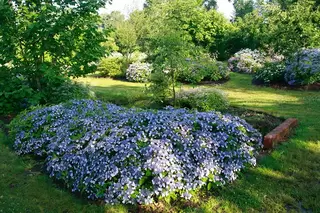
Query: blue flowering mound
(303, 68)
(134, 156)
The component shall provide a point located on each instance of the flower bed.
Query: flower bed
(134, 156)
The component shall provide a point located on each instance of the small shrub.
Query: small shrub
(270, 73)
(205, 70)
(220, 71)
(138, 72)
(15, 93)
(303, 68)
(67, 90)
(18, 94)
(111, 67)
(203, 99)
(134, 156)
(246, 61)
(160, 87)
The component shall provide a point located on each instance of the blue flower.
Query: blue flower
(132, 155)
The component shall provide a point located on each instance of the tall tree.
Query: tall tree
(243, 7)
(114, 19)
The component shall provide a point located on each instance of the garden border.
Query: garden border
(280, 133)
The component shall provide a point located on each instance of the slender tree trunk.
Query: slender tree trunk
(173, 87)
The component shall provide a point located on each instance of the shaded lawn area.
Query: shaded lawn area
(287, 180)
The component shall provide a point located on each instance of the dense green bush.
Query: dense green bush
(111, 67)
(18, 94)
(15, 93)
(161, 87)
(66, 90)
(203, 99)
(220, 71)
(205, 70)
(270, 73)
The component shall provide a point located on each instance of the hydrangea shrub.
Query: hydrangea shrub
(203, 99)
(270, 73)
(246, 61)
(303, 68)
(135, 156)
(138, 72)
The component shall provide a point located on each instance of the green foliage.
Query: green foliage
(111, 67)
(203, 99)
(179, 31)
(269, 27)
(67, 90)
(160, 87)
(270, 73)
(246, 33)
(206, 28)
(287, 31)
(210, 4)
(243, 7)
(126, 38)
(114, 19)
(204, 68)
(46, 43)
(15, 94)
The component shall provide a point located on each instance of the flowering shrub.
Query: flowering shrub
(222, 70)
(303, 68)
(270, 73)
(130, 155)
(246, 61)
(203, 99)
(138, 72)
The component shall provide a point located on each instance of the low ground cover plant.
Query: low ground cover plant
(203, 99)
(136, 156)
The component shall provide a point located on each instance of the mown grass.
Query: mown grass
(286, 180)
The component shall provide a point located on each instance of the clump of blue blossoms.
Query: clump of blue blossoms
(135, 156)
(303, 68)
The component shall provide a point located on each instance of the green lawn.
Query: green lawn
(287, 180)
